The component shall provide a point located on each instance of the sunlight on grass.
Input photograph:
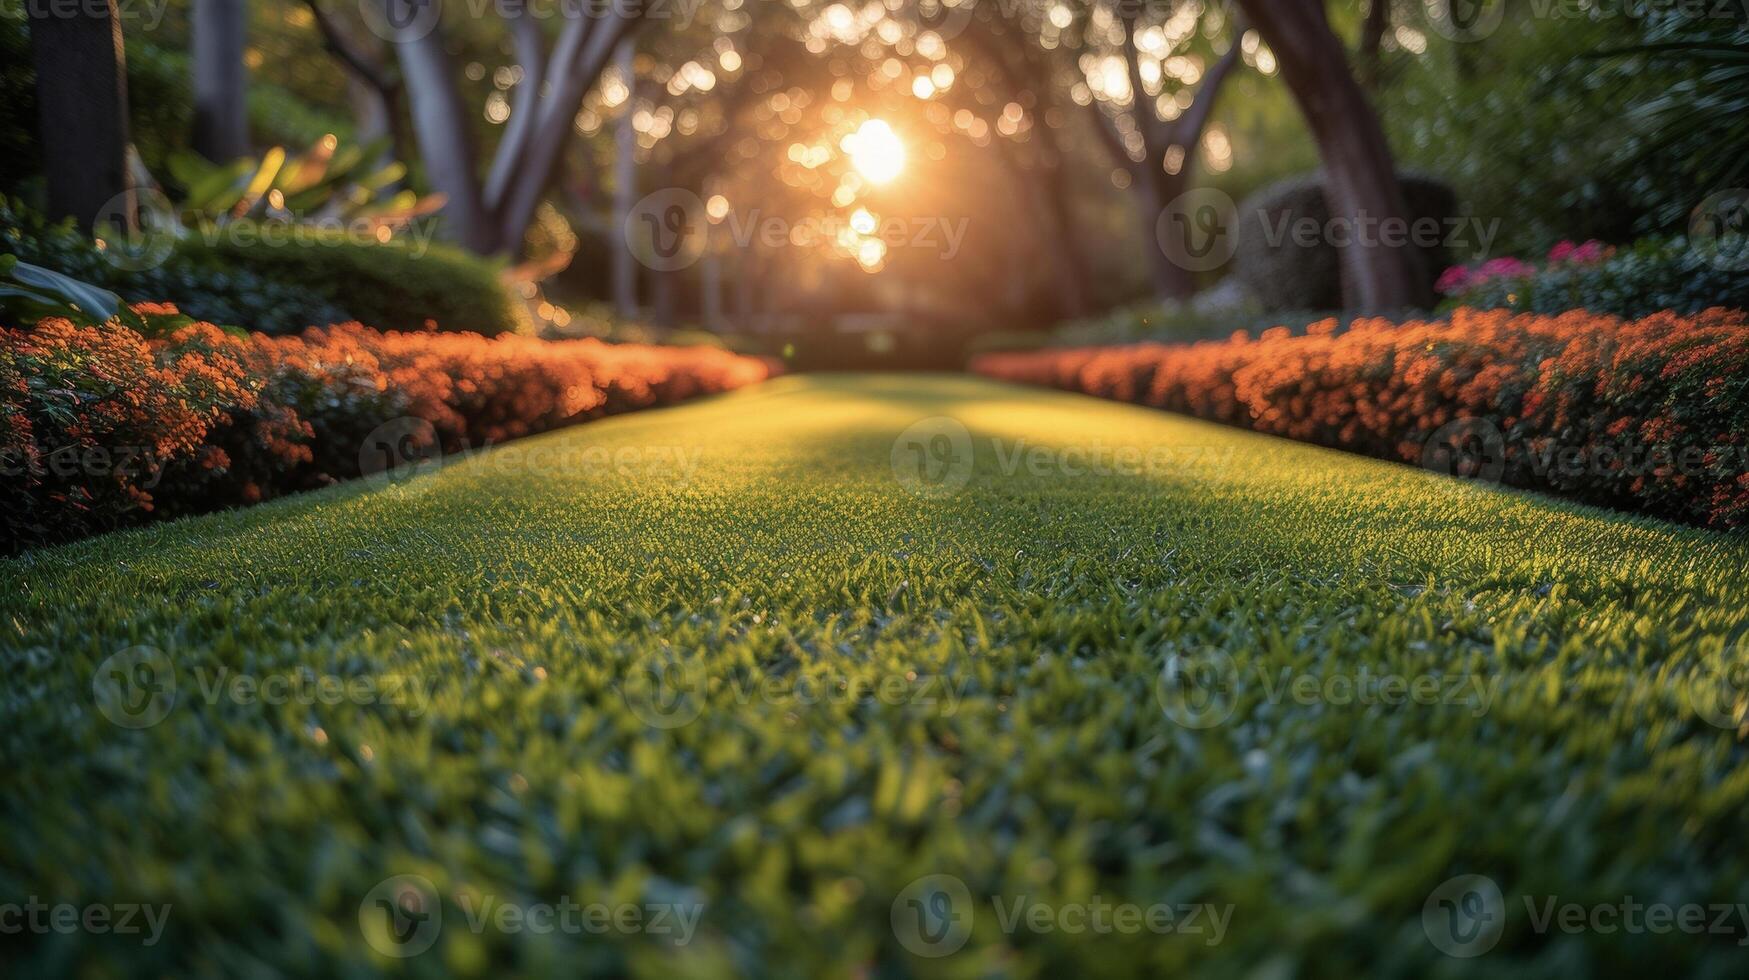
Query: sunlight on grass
(741, 665)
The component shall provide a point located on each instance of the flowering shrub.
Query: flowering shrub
(1461, 278)
(1651, 414)
(105, 426)
(1646, 278)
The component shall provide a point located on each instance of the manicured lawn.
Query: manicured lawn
(862, 685)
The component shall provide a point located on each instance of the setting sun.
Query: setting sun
(876, 151)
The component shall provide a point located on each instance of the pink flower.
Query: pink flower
(1453, 280)
(1506, 268)
(1591, 251)
(1458, 278)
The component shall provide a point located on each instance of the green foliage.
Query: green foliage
(1648, 277)
(160, 102)
(30, 292)
(1153, 322)
(1697, 129)
(204, 289)
(329, 182)
(1021, 630)
(311, 279)
(1542, 127)
(19, 157)
(395, 286)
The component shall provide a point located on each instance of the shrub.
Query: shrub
(103, 426)
(92, 415)
(284, 288)
(399, 285)
(208, 290)
(1651, 276)
(1285, 274)
(1154, 322)
(1650, 414)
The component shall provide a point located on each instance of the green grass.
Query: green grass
(1027, 650)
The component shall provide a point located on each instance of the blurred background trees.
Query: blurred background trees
(1045, 138)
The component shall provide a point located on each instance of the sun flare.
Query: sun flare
(876, 151)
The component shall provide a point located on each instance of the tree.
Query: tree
(221, 121)
(1361, 180)
(1158, 154)
(81, 94)
(1168, 154)
(492, 216)
(1026, 70)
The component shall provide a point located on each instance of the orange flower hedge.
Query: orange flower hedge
(103, 427)
(1650, 414)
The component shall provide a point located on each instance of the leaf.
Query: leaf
(218, 190)
(91, 300)
(258, 185)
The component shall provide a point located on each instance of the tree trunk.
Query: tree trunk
(440, 123)
(1157, 189)
(221, 119)
(1050, 219)
(1054, 188)
(1157, 186)
(578, 66)
(1368, 53)
(1361, 181)
(625, 194)
(1071, 263)
(525, 33)
(82, 102)
(711, 292)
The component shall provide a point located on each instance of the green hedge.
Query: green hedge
(398, 286)
(283, 289)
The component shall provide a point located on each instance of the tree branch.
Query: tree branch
(1186, 130)
(1108, 135)
(1156, 137)
(575, 67)
(530, 53)
(341, 47)
(1372, 35)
